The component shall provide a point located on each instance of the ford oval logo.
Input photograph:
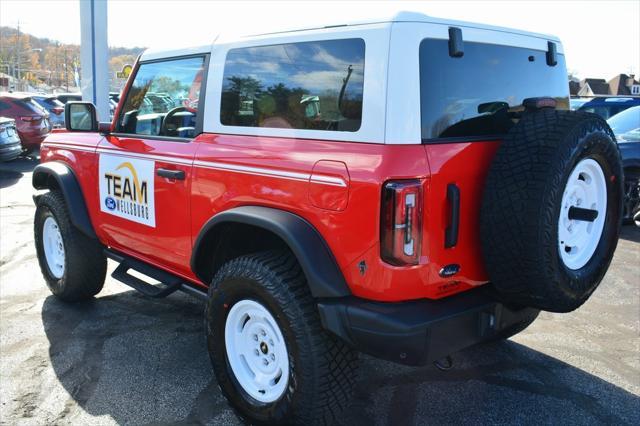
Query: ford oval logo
(110, 203)
(449, 270)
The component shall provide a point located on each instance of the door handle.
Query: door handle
(451, 233)
(171, 174)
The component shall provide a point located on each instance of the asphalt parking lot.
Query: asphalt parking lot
(125, 359)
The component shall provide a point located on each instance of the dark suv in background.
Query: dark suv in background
(53, 106)
(607, 107)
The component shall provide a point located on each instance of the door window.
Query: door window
(163, 99)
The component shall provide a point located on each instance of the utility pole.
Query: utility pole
(66, 70)
(18, 57)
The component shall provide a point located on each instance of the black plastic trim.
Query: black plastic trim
(462, 139)
(170, 283)
(552, 54)
(171, 174)
(71, 191)
(320, 267)
(456, 44)
(451, 233)
(418, 332)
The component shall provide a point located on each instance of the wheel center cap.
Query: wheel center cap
(264, 348)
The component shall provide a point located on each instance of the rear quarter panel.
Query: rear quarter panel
(352, 234)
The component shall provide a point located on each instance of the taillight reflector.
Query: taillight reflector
(401, 222)
(31, 118)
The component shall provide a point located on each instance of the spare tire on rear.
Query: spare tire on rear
(552, 209)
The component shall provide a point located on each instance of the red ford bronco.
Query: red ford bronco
(405, 187)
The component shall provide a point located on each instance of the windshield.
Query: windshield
(626, 125)
(577, 103)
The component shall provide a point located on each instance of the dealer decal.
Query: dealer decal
(126, 188)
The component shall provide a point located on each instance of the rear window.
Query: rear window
(30, 105)
(474, 95)
(53, 102)
(309, 85)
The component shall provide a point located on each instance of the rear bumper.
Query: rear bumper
(31, 140)
(10, 152)
(418, 332)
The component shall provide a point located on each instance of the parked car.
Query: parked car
(114, 96)
(10, 147)
(66, 97)
(53, 106)
(32, 121)
(347, 189)
(576, 103)
(607, 107)
(626, 126)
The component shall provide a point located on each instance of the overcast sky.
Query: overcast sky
(601, 38)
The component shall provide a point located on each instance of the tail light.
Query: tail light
(401, 222)
(57, 110)
(31, 118)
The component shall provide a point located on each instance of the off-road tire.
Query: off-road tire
(521, 209)
(85, 265)
(322, 369)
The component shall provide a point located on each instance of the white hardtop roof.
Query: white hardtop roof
(403, 16)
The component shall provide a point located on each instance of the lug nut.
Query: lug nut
(257, 352)
(264, 333)
(255, 337)
(271, 342)
(273, 357)
(265, 362)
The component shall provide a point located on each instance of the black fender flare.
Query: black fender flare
(324, 277)
(66, 180)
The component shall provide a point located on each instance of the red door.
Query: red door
(145, 166)
(144, 189)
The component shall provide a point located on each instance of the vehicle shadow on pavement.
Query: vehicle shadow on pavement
(11, 172)
(142, 361)
(630, 233)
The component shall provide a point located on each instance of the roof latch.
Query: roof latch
(456, 45)
(552, 54)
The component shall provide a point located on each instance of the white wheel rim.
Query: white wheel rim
(53, 247)
(586, 189)
(256, 351)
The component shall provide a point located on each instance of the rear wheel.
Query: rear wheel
(273, 360)
(73, 265)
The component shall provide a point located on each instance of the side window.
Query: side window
(4, 105)
(163, 99)
(309, 85)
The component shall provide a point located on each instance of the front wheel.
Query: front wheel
(273, 361)
(73, 265)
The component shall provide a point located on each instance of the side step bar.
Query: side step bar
(169, 283)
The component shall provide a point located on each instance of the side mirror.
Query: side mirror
(80, 117)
